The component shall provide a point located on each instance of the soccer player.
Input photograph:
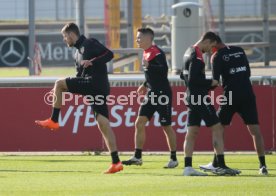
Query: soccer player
(91, 79)
(158, 97)
(230, 62)
(198, 86)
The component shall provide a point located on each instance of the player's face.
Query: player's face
(68, 39)
(139, 39)
(143, 40)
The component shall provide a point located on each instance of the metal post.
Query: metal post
(80, 15)
(31, 36)
(221, 20)
(129, 24)
(57, 10)
(175, 2)
(265, 13)
(130, 28)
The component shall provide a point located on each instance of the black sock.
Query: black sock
(220, 159)
(215, 161)
(138, 153)
(262, 161)
(55, 114)
(188, 161)
(115, 157)
(173, 155)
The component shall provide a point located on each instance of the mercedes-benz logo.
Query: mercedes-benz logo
(12, 51)
(226, 57)
(232, 71)
(254, 54)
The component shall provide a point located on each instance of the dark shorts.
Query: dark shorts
(205, 112)
(83, 86)
(246, 108)
(159, 104)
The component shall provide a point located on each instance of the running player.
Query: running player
(230, 62)
(158, 89)
(197, 90)
(92, 79)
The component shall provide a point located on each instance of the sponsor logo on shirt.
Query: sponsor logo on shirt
(227, 57)
(82, 50)
(237, 69)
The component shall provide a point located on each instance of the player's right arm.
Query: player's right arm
(216, 66)
(195, 76)
(216, 69)
(248, 71)
(96, 54)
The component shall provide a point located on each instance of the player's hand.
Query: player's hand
(145, 63)
(142, 90)
(215, 83)
(86, 63)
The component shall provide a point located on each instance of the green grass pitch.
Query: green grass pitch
(82, 175)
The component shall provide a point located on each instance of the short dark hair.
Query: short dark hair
(213, 37)
(219, 39)
(147, 31)
(71, 27)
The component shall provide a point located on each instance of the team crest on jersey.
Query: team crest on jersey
(226, 58)
(82, 50)
(147, 55)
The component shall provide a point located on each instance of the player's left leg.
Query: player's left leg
(146, 112)
(164, 108)
(248, 112)
(259, 146)
(139, 140)
(171, 140)
(110, 141)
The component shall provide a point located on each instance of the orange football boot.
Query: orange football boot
(48, 123)
(114, 168)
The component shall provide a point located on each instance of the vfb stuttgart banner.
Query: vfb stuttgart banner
(20, 107)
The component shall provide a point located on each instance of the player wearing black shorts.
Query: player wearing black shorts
(199, 109)
(230, 62)
(158, 98)
(91, 79)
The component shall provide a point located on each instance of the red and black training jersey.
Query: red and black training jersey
(92, 49)
(193, 72)
(232, 65)
(157, 71)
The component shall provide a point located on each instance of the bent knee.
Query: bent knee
(61, 83)
(102, 121)
(140, 122)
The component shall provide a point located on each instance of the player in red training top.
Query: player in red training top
(231, 64)
(158, 98)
